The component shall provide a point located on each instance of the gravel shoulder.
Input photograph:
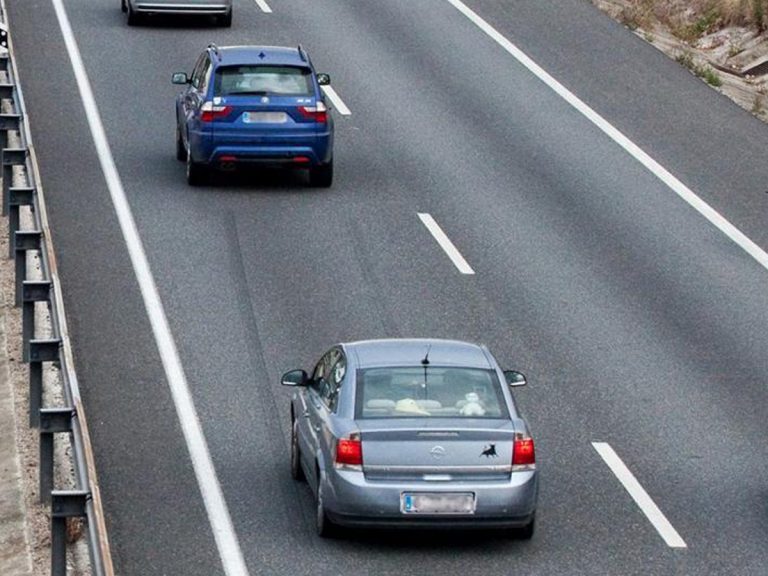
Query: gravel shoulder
(21, 523)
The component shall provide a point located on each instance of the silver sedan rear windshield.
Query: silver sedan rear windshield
(262, 80)
(414, 392)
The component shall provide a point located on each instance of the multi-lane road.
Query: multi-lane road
(568, 191)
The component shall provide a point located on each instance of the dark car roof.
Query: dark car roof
(410, 352)
(276, 55)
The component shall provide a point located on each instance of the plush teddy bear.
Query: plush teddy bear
(473, 406)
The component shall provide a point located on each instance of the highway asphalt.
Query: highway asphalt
(638, 323)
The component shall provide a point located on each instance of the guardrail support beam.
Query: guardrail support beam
(10, 157)
(8, 122)
(19, 196)
(31, 292)
(52, 421)
(64, 504)
(39, 351)
(23, 241)
(6, 90)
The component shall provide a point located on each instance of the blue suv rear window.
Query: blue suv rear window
(263, 80)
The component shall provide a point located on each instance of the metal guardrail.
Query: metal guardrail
(84, 500)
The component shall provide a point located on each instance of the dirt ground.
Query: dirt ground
(732, 59)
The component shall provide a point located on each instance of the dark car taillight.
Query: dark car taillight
(523, 454)
(349, 453)
(209, 112)
(318, 113)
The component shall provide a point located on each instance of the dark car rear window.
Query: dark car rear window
(439, 392)
(286, 80)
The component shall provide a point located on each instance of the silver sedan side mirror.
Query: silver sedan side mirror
(515, 378)
(294, 378)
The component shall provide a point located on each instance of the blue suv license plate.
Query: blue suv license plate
(265, 117)
(437, 503)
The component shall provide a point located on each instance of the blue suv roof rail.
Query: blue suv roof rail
(303, 54)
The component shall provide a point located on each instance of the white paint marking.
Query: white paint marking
(336, 101)
(639, 495)
(446, 244)
(213, 498)
(633, 149)
(264, 6)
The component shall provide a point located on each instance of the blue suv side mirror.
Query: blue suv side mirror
(180, 78)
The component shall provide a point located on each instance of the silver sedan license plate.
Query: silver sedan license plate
(437, 503)
(265, 117)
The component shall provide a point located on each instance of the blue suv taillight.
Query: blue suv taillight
(318, 113)
(209, 112)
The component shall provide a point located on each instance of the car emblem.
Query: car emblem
(264, 100)
(437, 452)
(489, 451)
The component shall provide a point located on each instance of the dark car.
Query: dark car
(137, 9)
(413, 434)
(258, 105)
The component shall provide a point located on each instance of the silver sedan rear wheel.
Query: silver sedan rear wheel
(325, 528)
(296, 472)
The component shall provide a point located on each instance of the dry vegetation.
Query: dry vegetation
(691, 19)
(717, 40)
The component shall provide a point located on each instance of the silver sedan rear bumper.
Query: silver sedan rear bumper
(351, 500)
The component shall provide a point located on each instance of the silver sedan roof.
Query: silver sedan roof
(410, 352)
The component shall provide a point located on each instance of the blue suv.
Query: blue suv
(254, 105)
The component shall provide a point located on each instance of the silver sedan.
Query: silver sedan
(413, 433)
(220, 9)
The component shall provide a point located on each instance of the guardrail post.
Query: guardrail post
(6, 91)
(32, 291)
(23, 241)
(64, 504)
(19, 196)
(8, 122)
(39, 351)
(10, 157)
(52, 421)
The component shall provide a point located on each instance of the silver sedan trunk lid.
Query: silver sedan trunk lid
(437, 450)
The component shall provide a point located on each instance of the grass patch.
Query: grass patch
(704, 72)
(685, 59)
(709, 76)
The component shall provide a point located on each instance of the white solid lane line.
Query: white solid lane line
(446, 244)
(264, 6)
(633, 149)
(218, 515)
(639, 495)
(336, 101)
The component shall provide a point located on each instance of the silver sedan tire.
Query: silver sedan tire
(325, 528)
(296, 471)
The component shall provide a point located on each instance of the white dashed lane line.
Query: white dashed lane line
(446, 244)
(640, 496)
(338, 104)
(262, 4)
